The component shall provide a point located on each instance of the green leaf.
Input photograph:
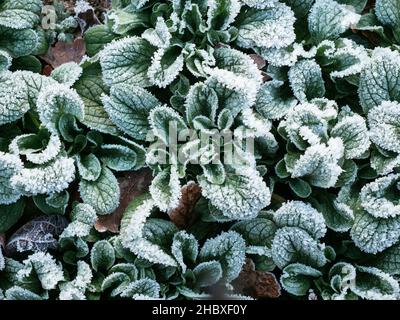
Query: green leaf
(388, 13)
(201, 100)
(91, 87)
(229, 250)
(123, 21)
(389, 260)
(10, 214)
(18, 19)
(300, 7)
(129, 108)
(140, 289)
(97, 37)
(292, 244)
(166, 189)
(207, 273)
(127, 61)
(27, 63)
(102, 256)
(297, 278)
(118, 157)
(256, 232)
(89, 167)
(222, 13)
(19, 293)
(18, 42)
(300, 187)
(272, 101)
(306, 80)
(55, 203)
(102, 194)
(379, 79)
(5, 60)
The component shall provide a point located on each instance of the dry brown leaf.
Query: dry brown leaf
(258, 60)
(255, 283)
(183, 215)
(63, 52)
(131, 184)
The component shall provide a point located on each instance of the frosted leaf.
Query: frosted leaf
(256, 232)
(389, 260)
(384, 123)
(237, 62)
(306, 124)
(297, 278)
(379, 197)
(207, 273)
(373, 284)
(379, 80)
(18, 42)
(229, 250)
(53, 177)
(44, 267)
(89, 166)
(352, 129)
(319, 164)
(142, 290)
(221, 13)
(301, 215)
(241, 196)
(260, 4)
(388, 13)
(165, 189)
(10, 165)
(185, 249)
(159, 36)
(288, 56)
(373, 234)
(292, 244)
(165, 121)
(200, 100)
(12, 103)
(91, 88)
(306, 80)
(127, 61)
(165, 66)
(5, 60)
(119, 157)
(329, 19)
(55, 101)
(268, 28)
(300, 7)
(19, 293)
(129, 107)
(75, 289)
(83, 218)
(102, 255)
(18, 19)
(102, 194)
(38, 234)
(234, 92)
(255, 125)
(384, 165)
(272, 101)
(21, 145)
(35, 6)
(68, 73)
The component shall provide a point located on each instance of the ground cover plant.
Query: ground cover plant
(199, 149)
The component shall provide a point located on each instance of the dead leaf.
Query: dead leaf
(255, 283)
(182, 215)
(63, 52)
(39, 234)
(258, 60)
(47, 70)
(131, 184)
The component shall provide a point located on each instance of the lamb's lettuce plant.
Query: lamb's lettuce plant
(282, 114)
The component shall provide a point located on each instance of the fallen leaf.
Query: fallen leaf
(131, 184)
(86, 16)
(38, 234)
(255, 283)
(47, 70)
(63, 52)
(183, 215)
(258, 60)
